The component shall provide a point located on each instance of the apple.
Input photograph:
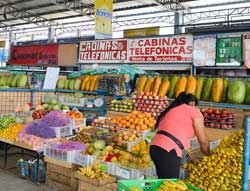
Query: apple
(147, 101)
(203, 110)
(150, 97)
(152, 102)
(224, 126)
(157, 102)
(217, 111)
(217, 116)
(229, 126)
(212, 115)
(209, 110)
(211, 124)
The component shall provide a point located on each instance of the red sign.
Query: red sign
(103, 51)
(161, 49)
(34, 55)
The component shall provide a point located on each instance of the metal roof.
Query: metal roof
(17, 15)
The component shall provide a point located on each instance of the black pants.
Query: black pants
(167, 163)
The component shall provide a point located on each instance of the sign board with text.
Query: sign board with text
(246, 50)
(174, 49)
(170, 49)
(103, 19)
(103, 51)
(34, 55)
(229, 50)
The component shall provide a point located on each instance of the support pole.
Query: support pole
(246, 155)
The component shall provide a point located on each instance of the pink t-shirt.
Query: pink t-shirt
(178, 122)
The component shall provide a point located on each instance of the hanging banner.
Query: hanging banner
(103, 51)
(103, 19)
(229, 50)
(152, 31)
(246, 50)
(161, 49)
(34, 55)
(204, 52)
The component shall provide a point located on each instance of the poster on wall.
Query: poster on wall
(229, 50)
(34, 55)
(172, 49)
(103, 19)
(103, 51)
(246, 50)
(204, 52)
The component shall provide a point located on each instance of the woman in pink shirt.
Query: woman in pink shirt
(175, 126)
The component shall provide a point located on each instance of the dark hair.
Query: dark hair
(182, 98)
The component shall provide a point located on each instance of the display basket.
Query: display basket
(63, 131)
(84, 160)
(73, 101)
(147, 185)
(60, 154)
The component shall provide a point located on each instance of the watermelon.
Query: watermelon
(66, 84)
(60, 84)
(71, 84)
(236, 92)
(247, 97)
(225, 89)
(13, 82)
(22, 81)
(77, 84)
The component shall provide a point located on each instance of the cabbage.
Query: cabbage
(99, 144)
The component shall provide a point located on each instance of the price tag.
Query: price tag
(123, 173)
(103, 167)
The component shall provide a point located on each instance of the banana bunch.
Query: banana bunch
(93, 172)
(173, 186)
(132, 188)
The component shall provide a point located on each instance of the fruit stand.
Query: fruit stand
(116, 143)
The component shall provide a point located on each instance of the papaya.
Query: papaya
(180, 85)
(199, 88)
(173, 82)
(206, 91)
(191, 85)
(217, 90)
(157, 84)
(92, 83)
(66, 84)
(96, 83)
(88, 83)
(225, 89)
(141, 84)
(164, 88)
(84, 81)
(71, 84)
(22, 81)
(148, 85)
(247, 97)
(77, 84)
(165, 79)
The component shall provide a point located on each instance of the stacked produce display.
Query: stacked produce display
(126, 105)
(223, 169)
(13, 81)
(205, 89)
(219, 118)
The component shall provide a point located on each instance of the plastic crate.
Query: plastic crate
(147, 185)
(60, 154)
(73, 101)
(63, 131)
(128, 173)
(84, 160)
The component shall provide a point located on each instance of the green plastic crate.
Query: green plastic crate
(147, 185)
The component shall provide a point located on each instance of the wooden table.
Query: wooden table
(10, 144)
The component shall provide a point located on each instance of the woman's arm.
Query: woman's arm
(201, 135)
